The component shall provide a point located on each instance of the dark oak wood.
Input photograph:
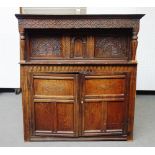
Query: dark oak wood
(78, 76)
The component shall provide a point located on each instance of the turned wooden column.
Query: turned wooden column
(134, 43)
(22, 46)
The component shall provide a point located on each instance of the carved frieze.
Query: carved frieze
(78, 23)
(78, 68)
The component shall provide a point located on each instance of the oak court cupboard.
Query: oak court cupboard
(78, 76)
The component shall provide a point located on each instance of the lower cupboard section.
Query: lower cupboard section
(79, 106)
(62, 119)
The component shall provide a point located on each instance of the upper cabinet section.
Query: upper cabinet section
(105, 44)
(78, 39)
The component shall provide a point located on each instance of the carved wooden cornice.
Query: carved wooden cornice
(79, 21)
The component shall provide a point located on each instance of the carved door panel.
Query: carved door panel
(104, 104)
(113, 44)
(78, 47)
(54, 105)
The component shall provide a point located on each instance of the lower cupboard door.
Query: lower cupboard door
(104, 104)
(54, 107)
(103, 118)
(54, 118)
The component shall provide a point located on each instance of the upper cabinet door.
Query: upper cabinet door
(104, 101)
(54, 108)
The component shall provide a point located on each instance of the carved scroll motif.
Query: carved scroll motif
(54, 87)
(114, 47)
(43, 46)
(104, 87)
